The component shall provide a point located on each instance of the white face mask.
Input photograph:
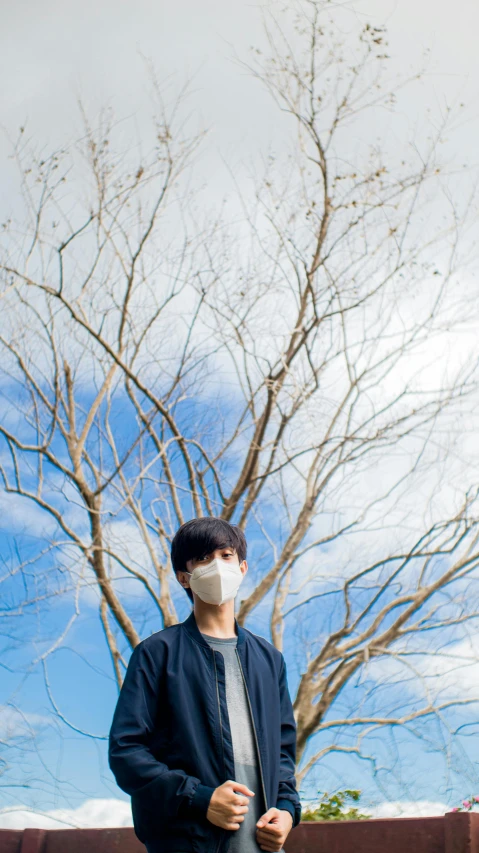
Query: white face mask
(216, 582)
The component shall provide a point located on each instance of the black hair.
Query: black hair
(201, 536)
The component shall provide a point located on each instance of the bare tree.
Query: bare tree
(288, 373)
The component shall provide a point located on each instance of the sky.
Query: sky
(53, 53)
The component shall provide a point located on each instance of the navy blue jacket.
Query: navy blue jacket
(170, 740)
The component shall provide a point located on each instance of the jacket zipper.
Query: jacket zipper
(254, 730)
(219, 710)
(221, 732)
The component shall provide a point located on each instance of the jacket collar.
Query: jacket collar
(192, 628)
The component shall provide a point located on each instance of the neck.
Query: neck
(216, 620)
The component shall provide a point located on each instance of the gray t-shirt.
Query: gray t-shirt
(247, 771)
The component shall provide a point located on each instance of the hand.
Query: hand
(227, 809)
(273, 829)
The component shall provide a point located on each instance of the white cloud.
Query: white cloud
(454, 672)
(15, 723)
(21, 515)
(446, 674)
(126, 540)
(404, 808)
(91, 814)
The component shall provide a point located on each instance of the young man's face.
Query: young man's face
(228, 554)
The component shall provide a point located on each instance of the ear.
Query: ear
(182, 579)
(244, 567)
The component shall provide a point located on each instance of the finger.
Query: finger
(267, 816)
(268, 839)
(233, 825)
(269, 831)
(242, 788)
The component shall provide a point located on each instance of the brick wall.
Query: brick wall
(453, 833)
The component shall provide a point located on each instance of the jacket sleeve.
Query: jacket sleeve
(137, 772)
(288, 797)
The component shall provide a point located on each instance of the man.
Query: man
(203, 737)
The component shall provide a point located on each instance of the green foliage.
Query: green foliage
(332, 807)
